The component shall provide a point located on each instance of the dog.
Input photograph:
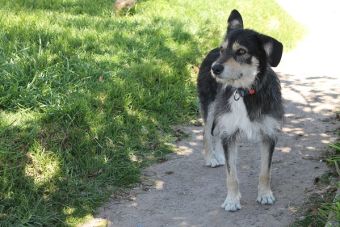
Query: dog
(240, 96)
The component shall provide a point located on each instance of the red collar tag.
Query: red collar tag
(251, 91)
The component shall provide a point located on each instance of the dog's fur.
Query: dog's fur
(230, 111)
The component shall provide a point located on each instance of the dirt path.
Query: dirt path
(183, 192)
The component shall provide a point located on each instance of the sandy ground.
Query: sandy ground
(183, 192)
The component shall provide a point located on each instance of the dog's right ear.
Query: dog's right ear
(234, 21)
(273, 49)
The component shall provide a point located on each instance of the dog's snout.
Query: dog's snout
(217, 69)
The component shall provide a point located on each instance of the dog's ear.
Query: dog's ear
(234, 21)
(273, 49)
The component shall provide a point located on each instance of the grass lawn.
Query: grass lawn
(87, 98)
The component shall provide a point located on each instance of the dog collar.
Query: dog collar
(241, 92)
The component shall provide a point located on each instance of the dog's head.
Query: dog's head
(244, 54)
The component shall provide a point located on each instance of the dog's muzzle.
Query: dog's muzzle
(217, 69)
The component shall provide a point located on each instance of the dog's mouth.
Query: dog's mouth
(229, 78)
(226, 73)
(236, 80)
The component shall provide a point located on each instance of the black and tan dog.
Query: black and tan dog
(240, 96)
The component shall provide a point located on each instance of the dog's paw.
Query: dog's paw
(214, 160)
(231, 204)
(266, 198)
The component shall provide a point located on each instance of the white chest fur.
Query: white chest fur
(237, 119)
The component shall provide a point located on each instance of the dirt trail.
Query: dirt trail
(183, 192)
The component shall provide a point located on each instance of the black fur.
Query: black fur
(275, 52)
(226, 146)
(207, 84)
(228, 141)
(236, 17)
(267, 100)
(271, 142)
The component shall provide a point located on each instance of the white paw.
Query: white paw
(266, 198)
(231, 204)
(214, 160)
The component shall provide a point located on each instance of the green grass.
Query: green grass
(334, 159)
(87, 98)
(332, 209)
(316, 210)
(323, 207)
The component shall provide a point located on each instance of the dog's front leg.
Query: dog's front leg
(265, 194)
(213, 151)
(232, 202)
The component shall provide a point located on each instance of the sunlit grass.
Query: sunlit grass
(42, 165)
(87, 97)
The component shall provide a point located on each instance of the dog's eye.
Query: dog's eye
(241, 51)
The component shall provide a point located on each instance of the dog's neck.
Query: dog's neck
(242, 92)
(260, 81)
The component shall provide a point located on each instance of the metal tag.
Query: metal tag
(237, 96)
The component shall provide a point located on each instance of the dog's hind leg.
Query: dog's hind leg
(265, 194)
(213, 151)
(232, 202)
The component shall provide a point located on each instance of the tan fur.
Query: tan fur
(232, 63)
(265, 194)
(225, 44)
(237, 46)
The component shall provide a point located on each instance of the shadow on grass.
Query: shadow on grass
(98, 133)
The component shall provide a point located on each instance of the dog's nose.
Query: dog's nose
(217, 69)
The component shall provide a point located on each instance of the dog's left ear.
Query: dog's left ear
(273, 49)
(234, 21)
